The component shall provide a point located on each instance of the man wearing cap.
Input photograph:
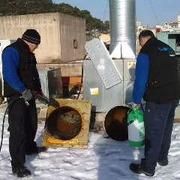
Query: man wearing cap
(21, 82)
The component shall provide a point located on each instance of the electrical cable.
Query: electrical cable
(4, 117)
(52, 102)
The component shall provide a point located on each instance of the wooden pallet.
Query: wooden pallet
(177, 120)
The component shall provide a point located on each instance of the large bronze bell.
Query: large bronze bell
(116, 123)
(64, 123)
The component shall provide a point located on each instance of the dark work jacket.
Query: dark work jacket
(27, 69)
(163, 82)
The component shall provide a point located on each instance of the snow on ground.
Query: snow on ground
(104, 159)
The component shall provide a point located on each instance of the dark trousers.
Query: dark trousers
(22, 127)
(158, 129)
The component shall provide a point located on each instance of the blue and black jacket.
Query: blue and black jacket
(19, 69)
(156, 74)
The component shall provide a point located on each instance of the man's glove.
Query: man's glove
(134, 105)
(27, 95)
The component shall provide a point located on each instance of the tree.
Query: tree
(19, 7)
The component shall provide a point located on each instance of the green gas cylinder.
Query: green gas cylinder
(136, 127)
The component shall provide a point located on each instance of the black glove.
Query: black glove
(27, 95)
(42, 98)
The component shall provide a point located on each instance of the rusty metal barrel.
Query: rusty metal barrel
(116, 123)
(64, 123)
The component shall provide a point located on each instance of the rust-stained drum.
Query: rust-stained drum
(64, 123)
(116, 123)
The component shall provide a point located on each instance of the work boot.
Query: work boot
(21, 171)
(163, 162)
(138, 169)
(36, 150)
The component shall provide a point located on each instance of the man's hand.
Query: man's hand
(27, 95)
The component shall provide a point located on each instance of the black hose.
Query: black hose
(4, 117)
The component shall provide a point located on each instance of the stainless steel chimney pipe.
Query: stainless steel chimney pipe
(123, 29)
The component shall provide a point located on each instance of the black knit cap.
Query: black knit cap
(146, 33)
(32, 36)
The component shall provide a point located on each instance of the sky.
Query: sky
(149, 12)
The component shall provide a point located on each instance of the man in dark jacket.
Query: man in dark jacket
(21, 85)
(157, 83)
